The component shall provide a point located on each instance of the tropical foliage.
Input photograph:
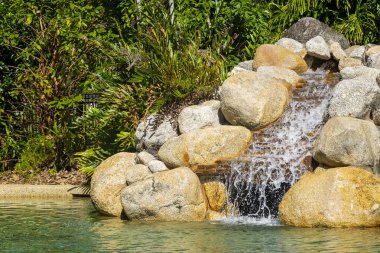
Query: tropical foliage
(131, 58)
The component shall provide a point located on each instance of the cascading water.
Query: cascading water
(281, 153)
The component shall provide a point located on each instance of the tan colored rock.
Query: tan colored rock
(292, 45)
(349, 62)
(339, 197)
(373, 50)
(284, 74)
(273, 55)
(366, 74)
(346, 141)
(108, 180)
(173, 195)
(213, 215)
(137, 173)
(253, 100)
(336, 51)
(216, 194)
(205, 146)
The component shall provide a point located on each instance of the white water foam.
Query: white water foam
(279, 154)
(245, 220)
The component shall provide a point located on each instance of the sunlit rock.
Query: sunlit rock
(108, 180)
(214, 215)
(318, 48)
(151, 136)
(174, 195)
(358, 53)
(273, 55)
(292, 45)
(144, 158)
(350, 49)
(253, 100)
(216, 194)
(339, 197)
(199, 116)
(361, 72)
(205, 146)
(373, 50)
(346, 141)
(373, 61)
(137, 173)
(353, 98)
(282, 74)
(349, 62)
(336, 51)
(157, 166)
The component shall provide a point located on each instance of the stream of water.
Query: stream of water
(280, 153)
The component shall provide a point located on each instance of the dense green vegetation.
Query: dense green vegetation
(135, 57)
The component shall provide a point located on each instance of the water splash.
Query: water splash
(281, 153)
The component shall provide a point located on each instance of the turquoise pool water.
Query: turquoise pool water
(32, 225)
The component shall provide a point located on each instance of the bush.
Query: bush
(359, 20)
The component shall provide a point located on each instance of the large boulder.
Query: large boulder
(307, 28)
(205, 146)
(199, 116)
(273, 55)
(353, 98)
(318, 48)
(284, 74)
(292, 45)
(253, 100)
(339, 197)
(150, 135)
(108, 180)
(346, 141)
(174, 195)
(361, 72)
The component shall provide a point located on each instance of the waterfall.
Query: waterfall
(280, 153)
